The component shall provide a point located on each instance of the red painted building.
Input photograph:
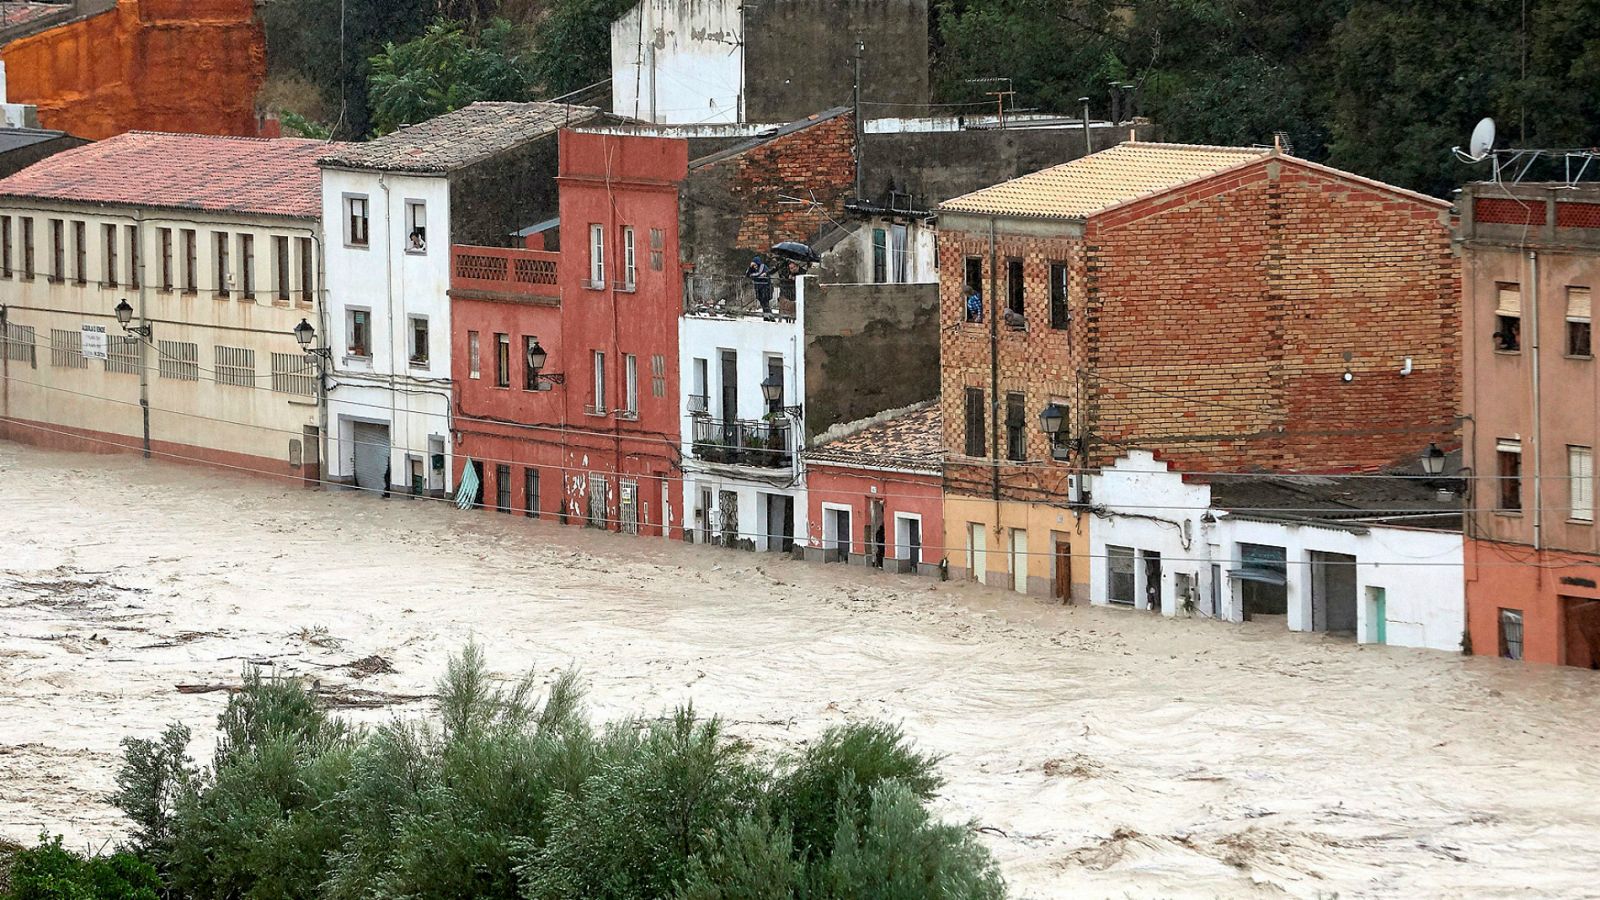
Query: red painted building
(590, 437)
(876, 494)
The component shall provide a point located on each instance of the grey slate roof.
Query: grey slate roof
(17, 138)
(1407, 499)
(458, 139)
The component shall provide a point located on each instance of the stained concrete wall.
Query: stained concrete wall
(157, 65)
(934, 164)
(868, 348)
(799, 55)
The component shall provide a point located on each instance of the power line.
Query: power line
(751, 534)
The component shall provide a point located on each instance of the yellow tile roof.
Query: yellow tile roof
(1092, 183)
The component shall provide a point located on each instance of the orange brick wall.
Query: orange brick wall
(151, 65)
(1210, 325)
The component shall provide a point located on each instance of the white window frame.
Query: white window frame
(599, 406)
(348, 206)
(597, 257)
(414, 224)
(1580, 483)
(350, 333)
(630, 271)
(630, 399)
(411, 342)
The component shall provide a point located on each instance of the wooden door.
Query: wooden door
(1063, 580)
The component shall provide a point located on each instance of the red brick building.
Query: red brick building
(1531, 255)
(1229, 308)
(591, 436)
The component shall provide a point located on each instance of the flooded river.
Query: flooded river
(1103, 753)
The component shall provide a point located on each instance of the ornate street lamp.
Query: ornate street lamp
(536, 358)
(125, 315)
(1433, 461)
(772, 392)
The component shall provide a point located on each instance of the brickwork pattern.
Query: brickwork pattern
(813, 163)
(1212, 323)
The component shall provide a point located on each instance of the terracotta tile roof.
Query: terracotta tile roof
(1092, 183)
(20, 12)
(456, 139)
(277, 177)
(910, 442)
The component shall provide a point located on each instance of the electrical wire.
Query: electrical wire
(609, 520)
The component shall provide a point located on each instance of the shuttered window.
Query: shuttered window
(1579, 330)
(236, 365)
(977, 444)
(1580, 480)
(122, 354)
(66, 349)
(292, 374)
(180, 360)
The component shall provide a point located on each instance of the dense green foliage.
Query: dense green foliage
(509, 796)
(49, 872)
(1384, 89)
(352, 67)
(445, 69)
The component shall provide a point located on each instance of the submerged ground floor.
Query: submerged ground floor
(1101, 752)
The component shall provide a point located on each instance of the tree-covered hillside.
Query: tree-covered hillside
(1378, 87)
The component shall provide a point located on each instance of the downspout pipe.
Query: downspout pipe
(146, 341)
(994, 369)
(1538, 418)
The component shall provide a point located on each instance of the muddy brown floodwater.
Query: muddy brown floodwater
(1103, 753)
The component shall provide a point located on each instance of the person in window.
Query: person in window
(417, 243)
(1509, 337)
(760, 275)
(974, 304)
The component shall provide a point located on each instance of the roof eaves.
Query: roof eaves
(1369, 182)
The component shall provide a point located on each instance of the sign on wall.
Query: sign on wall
(94, 341)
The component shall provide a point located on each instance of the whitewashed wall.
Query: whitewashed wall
(393, 285)
(1139, 504)
(679, 61)
(754, 340)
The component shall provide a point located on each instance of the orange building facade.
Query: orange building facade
(191, 66)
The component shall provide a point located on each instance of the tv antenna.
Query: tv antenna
(1514, 164)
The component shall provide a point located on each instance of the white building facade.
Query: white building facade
(743, 481)
(1160, 543)
(387, 328)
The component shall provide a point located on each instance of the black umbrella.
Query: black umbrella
(794, 251)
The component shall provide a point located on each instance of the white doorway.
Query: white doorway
(1019, 560)
(835, 533)
(977, 553)
(908, 541)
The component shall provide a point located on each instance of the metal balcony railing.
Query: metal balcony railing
(504, 270)
(744, 442)
(699, 404)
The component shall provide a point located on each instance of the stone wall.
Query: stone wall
(153, 65)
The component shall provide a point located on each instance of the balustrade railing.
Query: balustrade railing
(504, 270)
(744, 442)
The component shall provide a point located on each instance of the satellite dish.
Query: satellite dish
(1482, 139)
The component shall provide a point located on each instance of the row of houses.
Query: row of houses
(1216, 382)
